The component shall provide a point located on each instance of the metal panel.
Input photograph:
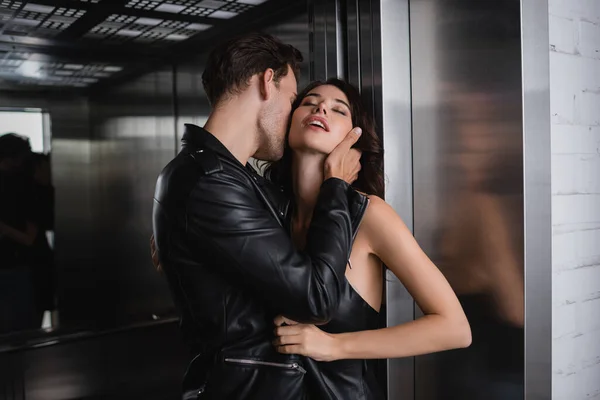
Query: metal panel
(192, 103)
(367, 12)
(353, 55)
(327, 51)
(142, 362)
(468, 186)
(393, 103)
(133, 139)
(538, 219)
(293, 30)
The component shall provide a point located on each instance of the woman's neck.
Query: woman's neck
(307, 177)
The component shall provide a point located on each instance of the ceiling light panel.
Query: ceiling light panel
(154, 28)
(222, 9)
(10, 5)
(252, 2)
(81, 74)
(53, 73)
(155, 31)
(124, 28)
(36, 20)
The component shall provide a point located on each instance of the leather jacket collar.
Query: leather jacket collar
(196, 137)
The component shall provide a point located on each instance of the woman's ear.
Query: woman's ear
(266, 83)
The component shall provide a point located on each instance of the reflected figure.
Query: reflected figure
(25, 255)
(481, 251)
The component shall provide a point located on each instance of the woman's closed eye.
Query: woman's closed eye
(337, 110)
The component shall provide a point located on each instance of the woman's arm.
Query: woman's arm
(443, 327)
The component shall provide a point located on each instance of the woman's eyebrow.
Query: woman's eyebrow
(337, 100)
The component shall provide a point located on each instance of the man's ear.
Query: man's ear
(266, 83)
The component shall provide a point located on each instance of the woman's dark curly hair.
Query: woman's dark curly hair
(370, 178)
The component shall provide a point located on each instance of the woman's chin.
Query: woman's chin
(308, 150)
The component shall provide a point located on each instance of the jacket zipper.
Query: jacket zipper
(295, 366)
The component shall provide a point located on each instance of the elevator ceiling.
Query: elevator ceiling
(88, 44)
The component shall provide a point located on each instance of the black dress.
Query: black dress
(345, 379)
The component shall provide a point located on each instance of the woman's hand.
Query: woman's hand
(303, 339)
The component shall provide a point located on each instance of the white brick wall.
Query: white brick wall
(575, 109)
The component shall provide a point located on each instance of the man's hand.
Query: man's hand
(154, 254)
(344, 161)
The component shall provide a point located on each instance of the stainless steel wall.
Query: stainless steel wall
(468, 187)
(393, 101)
(192, 103)
(295, 31)
(133, 138)
(460, 93)
(466, 174)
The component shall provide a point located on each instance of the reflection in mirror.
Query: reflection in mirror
(468, 187)
(117, 117)
(27, 290)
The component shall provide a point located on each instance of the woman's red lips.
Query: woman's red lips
(317, 121)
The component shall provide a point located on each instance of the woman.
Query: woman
(322, 115)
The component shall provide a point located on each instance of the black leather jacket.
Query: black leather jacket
(232, 268)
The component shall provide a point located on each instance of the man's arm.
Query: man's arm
(226, 218)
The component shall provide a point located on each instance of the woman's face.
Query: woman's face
(321, 121)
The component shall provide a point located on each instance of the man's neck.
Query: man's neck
(307, 177)
(234, 125)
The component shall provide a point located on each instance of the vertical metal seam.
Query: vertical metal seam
(540, 386)
(358, 46)
(339, 45)
(175, 107)
(412, 169)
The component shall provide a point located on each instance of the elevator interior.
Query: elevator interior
(118, 79)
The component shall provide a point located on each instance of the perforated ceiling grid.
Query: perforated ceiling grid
(35, 20)
(153, 23)
(123, 28)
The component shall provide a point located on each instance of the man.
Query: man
(220, 240)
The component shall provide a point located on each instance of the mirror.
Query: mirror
(27, 270)
(117, 118)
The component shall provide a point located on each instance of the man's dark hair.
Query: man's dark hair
(231, 64)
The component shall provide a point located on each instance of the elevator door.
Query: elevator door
(468, 187)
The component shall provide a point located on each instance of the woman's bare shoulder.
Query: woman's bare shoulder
(377, 207)
(379, 214)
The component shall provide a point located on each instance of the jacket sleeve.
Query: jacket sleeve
(225, 216)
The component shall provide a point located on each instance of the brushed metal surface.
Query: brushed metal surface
(132, 140)
(468, 187)
(392, 93)
(537, 207)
